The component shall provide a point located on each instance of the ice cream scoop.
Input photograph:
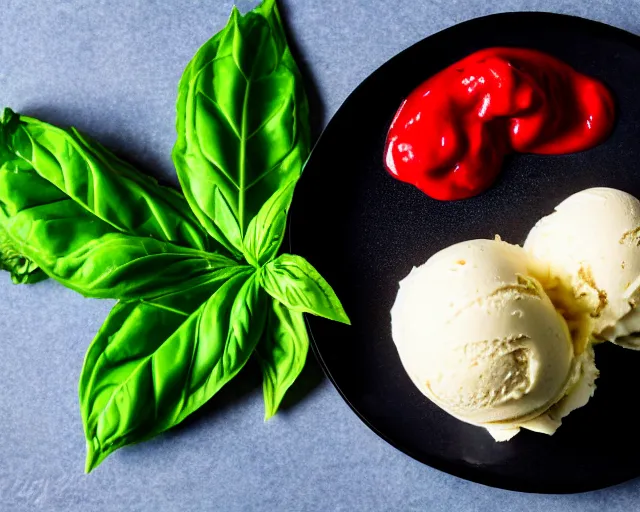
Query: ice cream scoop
(480, 337)
(592, 243)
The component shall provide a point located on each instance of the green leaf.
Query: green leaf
(104, 188)
(53, 232)
(242, 123)
(187, 346)
(296, 284)
(21, 268)
(266, 230)
(89, 220)
(282, 353)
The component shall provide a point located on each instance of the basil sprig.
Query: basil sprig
(199, 282)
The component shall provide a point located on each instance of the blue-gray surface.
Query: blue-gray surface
(111, 68)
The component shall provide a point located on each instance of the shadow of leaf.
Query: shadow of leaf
(243, 385)
(308, 380)
(316, 104)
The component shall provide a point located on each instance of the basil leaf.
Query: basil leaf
(187, 346)
(242, 123)
(296, 284)
(123, 267)
(84, 253)
(21, 268)
(282, 353)
(266, 230)
(101, 184)
(149, 321)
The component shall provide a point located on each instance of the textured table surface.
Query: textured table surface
(111, 68)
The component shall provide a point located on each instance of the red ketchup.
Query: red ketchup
(450, 136)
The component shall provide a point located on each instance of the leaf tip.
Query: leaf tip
(90, 461)
(270, 407)
(267, 6)
(8, 122)
(269, 411)
(235, 14)
(94, 458)
(340, 315)
(344, 319)
(6, 115)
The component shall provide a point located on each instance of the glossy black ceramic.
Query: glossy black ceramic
(364, 231)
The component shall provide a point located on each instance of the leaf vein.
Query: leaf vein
(280, 108)
(221, 111)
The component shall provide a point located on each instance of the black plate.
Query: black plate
(364, 231)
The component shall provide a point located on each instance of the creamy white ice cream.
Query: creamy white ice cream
(480, 337)
(592, 243)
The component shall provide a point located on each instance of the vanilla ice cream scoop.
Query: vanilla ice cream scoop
(479, 336)
(592, 243)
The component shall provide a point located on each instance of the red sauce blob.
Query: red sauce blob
(450, 136)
